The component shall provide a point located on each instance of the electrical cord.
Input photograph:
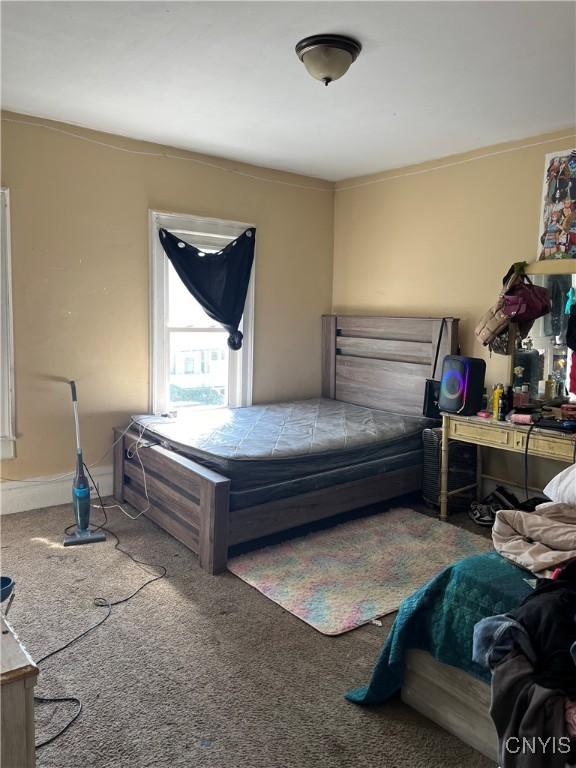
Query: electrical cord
(99, 602)
(132, 451)
(530, 428)
(75, 716)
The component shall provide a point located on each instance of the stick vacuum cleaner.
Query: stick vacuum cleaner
(81, 493)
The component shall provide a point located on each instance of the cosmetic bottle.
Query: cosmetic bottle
(498, 391)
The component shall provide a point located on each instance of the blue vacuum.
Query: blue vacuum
(81, 493)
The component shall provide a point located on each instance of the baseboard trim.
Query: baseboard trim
(20, 496)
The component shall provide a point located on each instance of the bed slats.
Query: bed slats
(385, 349)
(165, 517)
(186, 499)
(170, 496)
(280, 515)
(398, 328)
(383, 362)
(382, 384)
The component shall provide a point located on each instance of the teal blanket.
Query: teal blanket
(440, 618)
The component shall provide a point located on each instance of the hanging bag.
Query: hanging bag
(432, 387)
(520, 302)
(494, 322)
(523, 301)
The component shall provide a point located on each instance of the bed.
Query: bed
(428, 653)
(227, 476)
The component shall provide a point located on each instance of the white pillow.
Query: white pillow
(563, 486)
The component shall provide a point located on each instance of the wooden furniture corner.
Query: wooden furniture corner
(17, 677)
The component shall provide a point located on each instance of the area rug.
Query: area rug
(340, 578)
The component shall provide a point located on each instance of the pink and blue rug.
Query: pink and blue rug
(340, 578)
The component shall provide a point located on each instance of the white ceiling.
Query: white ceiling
(434, 78)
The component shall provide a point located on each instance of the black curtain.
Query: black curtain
(218, 281)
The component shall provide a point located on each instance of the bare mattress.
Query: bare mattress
(301, 445)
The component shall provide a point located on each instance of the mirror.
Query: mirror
(544, 360)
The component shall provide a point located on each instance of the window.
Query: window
(191, 364)
(7, 430)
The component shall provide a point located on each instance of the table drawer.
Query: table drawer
(485, 435)
(556, 448)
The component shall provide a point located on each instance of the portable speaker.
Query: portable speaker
(462, 385)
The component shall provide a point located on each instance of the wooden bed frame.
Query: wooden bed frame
(455, 700)
(378, 362)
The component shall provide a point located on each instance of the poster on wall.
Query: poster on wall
(558, 220)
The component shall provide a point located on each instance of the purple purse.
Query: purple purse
(523, 301)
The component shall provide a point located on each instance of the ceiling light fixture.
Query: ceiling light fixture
(328, 57)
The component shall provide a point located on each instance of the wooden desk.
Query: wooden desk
(18, 678)
(489, 433)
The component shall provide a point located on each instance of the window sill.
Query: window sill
(7, 448)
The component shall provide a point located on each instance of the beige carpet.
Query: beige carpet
(196, 671)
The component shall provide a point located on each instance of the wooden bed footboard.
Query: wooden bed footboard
(188, 500)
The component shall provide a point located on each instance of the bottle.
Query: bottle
(541, 389)
(550, 388)
(525, 394)
(503, 405)
(498, 390)
(509, 399)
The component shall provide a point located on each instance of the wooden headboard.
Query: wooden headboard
(383, 362)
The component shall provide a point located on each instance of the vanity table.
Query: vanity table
(489, 433)
(544, 354)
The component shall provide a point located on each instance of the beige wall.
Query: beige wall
(437, 238)
(79, 215)
(428, 239)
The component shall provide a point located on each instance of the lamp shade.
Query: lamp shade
(327, 57)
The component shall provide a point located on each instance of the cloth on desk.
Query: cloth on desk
(497, 636)
(541, 540)
(526, 713)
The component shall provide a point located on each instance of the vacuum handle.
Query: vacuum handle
(76, 419)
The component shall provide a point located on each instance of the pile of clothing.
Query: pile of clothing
(531, 650)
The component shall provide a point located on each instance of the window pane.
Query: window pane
(183, 309)
(198, 368)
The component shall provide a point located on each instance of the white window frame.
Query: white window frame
(7, 410)
(208, 233)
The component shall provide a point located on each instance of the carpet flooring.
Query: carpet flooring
(340, 578)
(196, 670)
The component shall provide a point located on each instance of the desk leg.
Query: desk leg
(478, 472)
(444, 470)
